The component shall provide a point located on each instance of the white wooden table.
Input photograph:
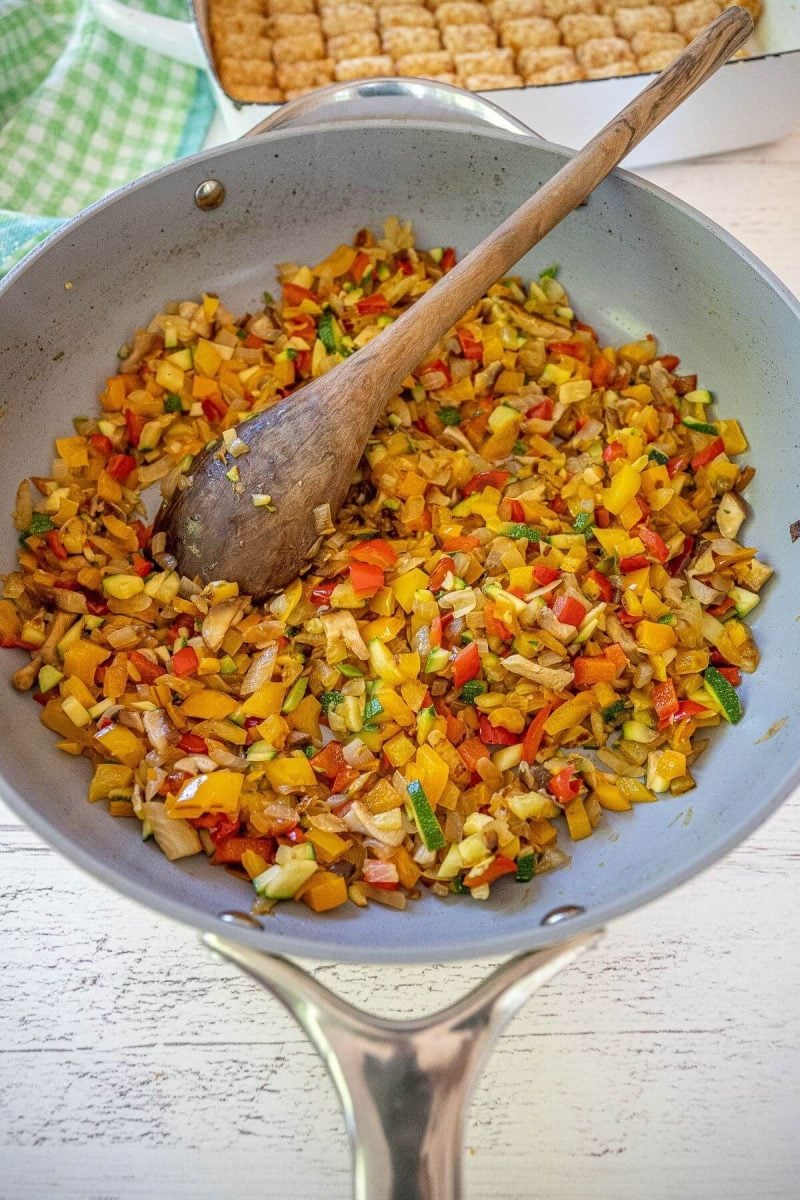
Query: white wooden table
(666, 1065)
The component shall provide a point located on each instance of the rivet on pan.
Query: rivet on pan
(209, 194)
(562, 914)
(234, 917)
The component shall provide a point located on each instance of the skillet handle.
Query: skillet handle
(164, 35)
(393, 99)
(404, 1086)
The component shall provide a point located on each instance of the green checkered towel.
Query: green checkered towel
(82, 112)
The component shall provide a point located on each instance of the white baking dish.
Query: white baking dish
(749, 102)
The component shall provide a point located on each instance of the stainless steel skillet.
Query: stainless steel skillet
(634, 261)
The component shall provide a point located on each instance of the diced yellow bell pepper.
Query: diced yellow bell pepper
(82, 660)
(275, 730)
(432, 772)
(384, 628)
(638, 391)
(732, 436)
(253, 863)
(169, 376)
(209, 705)
(573, 712)
(651, 605)
(414, 692)
(407, 869)
(383, 663)
(294, 772)
(636, 583)
(609, 796)
(578, 822)
(640, 353)
(630, 515)
(117, 741)
(74, 451)
(399, 750)
(77, 689)
(394, 707)
(383, 603)
(633, 789)
(406, 585)
(324, 891)
(329, 847)
(305, 717)
(338, 263)
(690, 662)
(542, 833)
(207, 358)
(610, 539)
(654, 479)
(521, 577)
(655, 637)
(344, 595)
(410, 664)
(218, 792)
(631, 546)
(108, 778)
(624, 486)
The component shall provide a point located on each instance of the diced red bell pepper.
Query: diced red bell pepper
(724, 606)
(517, 511)
(185, 661)
(534, 734)
(464, 543)
(601, 371)
(665, 699)
(148, 670)
(441, 366)
(602, 517)
(544, 574)
(366, 578)
(628, 618)
(119, 466)
(14, 643)
(303, 362)
(102, 444)
(96, 606)
(252, 342)
(55, 544)
(439, 573)
(678, 462)
(294, 837)
(499, 866)
(543, 411)
(633, 562)
(141, 566)
(484, 479)
(602, 583)
(669, 361)
(732, 674)
(564, 786)
(613, 451)
(142, 532)
(372, 305)
(405, 266)
(448, 259)
(568, 610)
(376, 551)
(294, 295)
(466, 664)
(584, 328)
(192, 743)
(496, 735)
(321, 594)
(472, 751)
(680, 560)
(134, 424)
(361, 264)
(344, 778)
(329, 761)
(421, 424)
(706, 456)
(689, 708)
(654, 543)
(470, 346)
(231, 849)
(213, 409)
(571, 349)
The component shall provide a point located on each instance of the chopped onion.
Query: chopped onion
(260, 670)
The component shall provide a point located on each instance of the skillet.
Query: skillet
(634, 261)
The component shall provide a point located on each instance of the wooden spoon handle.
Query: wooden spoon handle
(401, 348)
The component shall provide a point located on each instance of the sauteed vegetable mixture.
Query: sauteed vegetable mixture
(530, 609)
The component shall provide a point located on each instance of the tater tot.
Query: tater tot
(657, 60)
(406, 16)
(566, 74)
(612, 70)
(242, 45)
(348, 18)
(303, 48)
(601, 52)
(513, 10)
(651, 42)
(491, 83)
(459, 39)
(653, 17)
(305, 74)
(369, 67)
(407, 40)
(579, 27)
(460, 12)
(556, 9)
(292, 24)
(694, 14)
(438, 62)
(253, 93)
(354, 45)
(531, 61)
(485, 62)
(529, 31)
(289, 6)
(247, 70)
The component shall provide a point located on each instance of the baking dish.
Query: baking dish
(749, 102)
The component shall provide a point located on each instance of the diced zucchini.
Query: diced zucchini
(49, 677)
(429, 828)
(724, 694)
(261, 752)
(699, 426)
(526, 866)
(437, 660)
(635, 731)
(304, 852)
(743, 600)
(700, 396)
(281, 881)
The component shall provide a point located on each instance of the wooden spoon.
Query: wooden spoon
(304, 450)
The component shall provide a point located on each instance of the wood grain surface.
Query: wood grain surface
(665, 1065)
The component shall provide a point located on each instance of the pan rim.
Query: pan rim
(317, 946)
